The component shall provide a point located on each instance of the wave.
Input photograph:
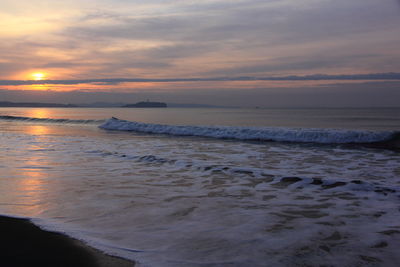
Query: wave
(383, 139)
(280, 134)
(48, 120)
(261, 178)
(258, 177)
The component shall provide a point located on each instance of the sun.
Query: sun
(38, 76)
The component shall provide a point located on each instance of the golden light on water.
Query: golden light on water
(39, 113)
(38, 130)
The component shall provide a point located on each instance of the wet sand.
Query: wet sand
(24, 244)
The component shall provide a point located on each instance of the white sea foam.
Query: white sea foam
(326, 136)
(167, 201)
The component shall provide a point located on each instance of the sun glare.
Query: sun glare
(38, 76)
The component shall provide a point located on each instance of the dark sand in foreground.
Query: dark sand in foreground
(24, 244)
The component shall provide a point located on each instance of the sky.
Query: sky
(264, 53)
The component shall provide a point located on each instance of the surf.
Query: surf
(278, 134)
(49, 120)
(375, 139)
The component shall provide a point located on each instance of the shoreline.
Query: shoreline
(25, 244)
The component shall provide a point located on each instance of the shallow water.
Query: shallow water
(193, 201)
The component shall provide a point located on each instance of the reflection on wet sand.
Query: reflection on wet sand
(32, 174)
(31, 187)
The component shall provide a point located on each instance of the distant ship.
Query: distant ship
(146, 104)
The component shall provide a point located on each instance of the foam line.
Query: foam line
(301, 135)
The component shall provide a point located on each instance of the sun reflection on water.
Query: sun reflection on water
(39, 113)
(37, 130)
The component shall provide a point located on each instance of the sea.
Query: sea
(210, 186)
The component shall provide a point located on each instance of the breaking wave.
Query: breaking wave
(48, 120)
(384, 139)
(301, 135)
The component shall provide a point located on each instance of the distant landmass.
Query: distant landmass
(101, 105)
(142, 104)
(35, 105)
(146, 104)
(190, 105)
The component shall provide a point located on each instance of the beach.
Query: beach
(202, 187)
(25, 244)
(200, 133)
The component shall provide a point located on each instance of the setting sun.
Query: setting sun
(38, 76)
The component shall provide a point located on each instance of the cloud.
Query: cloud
(262, 21)
(315, 77)
(190, 38)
